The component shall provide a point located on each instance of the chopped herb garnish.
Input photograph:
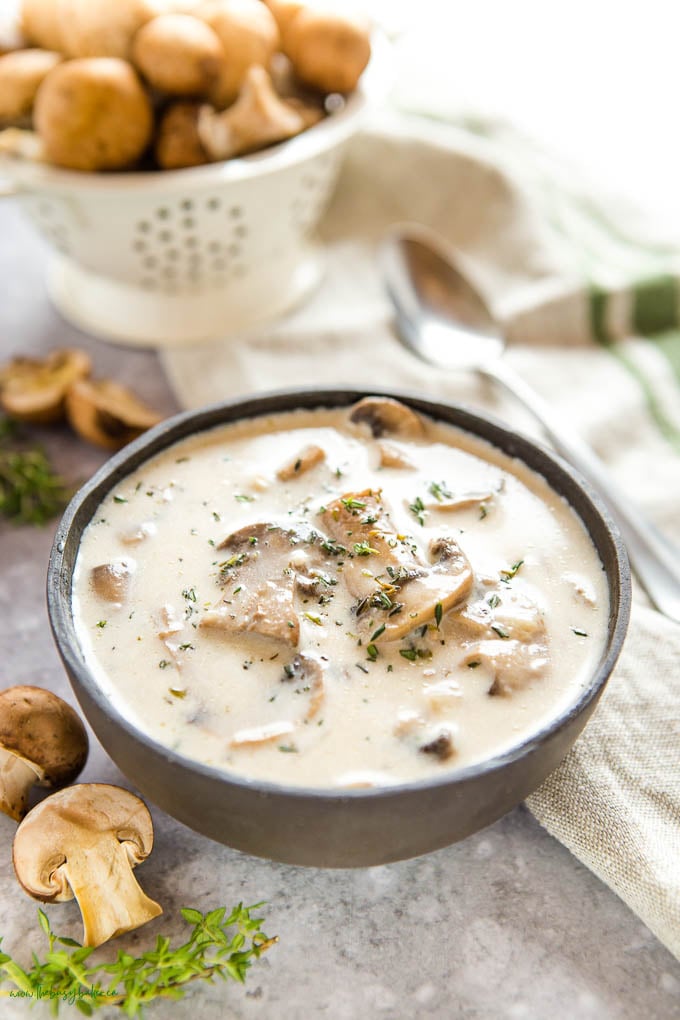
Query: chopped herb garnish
(288, 748)
(216, 515)
(408, 653)
(493, 601)
(186, 646)
(314, 619)
(119, 499)
(372, 652)
(360, 665)
(438, 613)
(507, 575)
(189, 594)
(252, 540)
(501, 631)
(363, 549)
(483, 512)
(353, 505)
(417, 508)
(101, 623)
(30, 491)
(244, 497)
(440, 491)
(376, 633)
(579, 632)
(164, 663)
(178, 692)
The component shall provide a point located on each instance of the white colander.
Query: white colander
(171, 257)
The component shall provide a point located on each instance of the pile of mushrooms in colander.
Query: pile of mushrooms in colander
(135, 84)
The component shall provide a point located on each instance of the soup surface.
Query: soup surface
(347, 598)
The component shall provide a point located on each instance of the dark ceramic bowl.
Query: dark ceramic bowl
(331, 828)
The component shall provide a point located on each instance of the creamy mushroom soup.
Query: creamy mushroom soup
(338, 598)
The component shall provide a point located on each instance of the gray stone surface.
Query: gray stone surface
(505, 925)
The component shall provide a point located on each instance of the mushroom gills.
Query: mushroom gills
(84, 841)
(385, 416)
(17, 778)
(386, 574)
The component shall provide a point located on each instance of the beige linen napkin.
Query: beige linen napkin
(615, 801)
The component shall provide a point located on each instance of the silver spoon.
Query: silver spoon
(443, 320)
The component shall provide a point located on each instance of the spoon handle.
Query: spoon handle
(655, 560)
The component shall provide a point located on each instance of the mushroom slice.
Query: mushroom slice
(42, 741)
(261, 584)
(107, 414)
(384, 572)
(111, 581)
(35, 391)
(513, 665)
(387, 417)
(391, 456)
(434, 740)
(305, 461)
(84, 842)
(258, 736)
(139, 534)
(460, 501)
(507, 613)
(257, 118)
(306, 670)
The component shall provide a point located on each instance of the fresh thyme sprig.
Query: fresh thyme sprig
(217, 946)
(30, 490)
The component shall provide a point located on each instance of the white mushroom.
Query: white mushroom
(304, 461)
(84, 842)
(42, 742)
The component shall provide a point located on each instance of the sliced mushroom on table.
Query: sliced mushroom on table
(42, 742)
(107, 414)
(84, 842)
(35, 391)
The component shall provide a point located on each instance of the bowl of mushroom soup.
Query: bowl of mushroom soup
(337, 628)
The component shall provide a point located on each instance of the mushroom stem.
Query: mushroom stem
(110, 899)
(17, 776)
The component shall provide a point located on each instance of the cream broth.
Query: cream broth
(321, 601)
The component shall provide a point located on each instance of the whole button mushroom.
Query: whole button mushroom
(328, 49)
(249, 35)
(84, 842)
(42, 742)
(179, 55)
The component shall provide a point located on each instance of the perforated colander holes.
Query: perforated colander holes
(188, 243)
(47, 217)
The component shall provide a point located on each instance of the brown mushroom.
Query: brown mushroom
(391, 456)
(84, 842)
(249, 36)
(258, 564)
(178, 144)
(35, 391)
(304, 461)
(21, 144)
(329, 49)
(387, 417)
(257, 118)
(107, 414)
(21, 73)
(93, 114)
(179, 55)
(396, 590)
(42, 742)
(111, 581)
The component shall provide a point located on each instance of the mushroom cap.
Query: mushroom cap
(107, 414)
(249, 35)
(329, 49)
(93, 114)
(178, 54)
(35, 391)
(73, 821)
(37, 725)
(21, 72)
